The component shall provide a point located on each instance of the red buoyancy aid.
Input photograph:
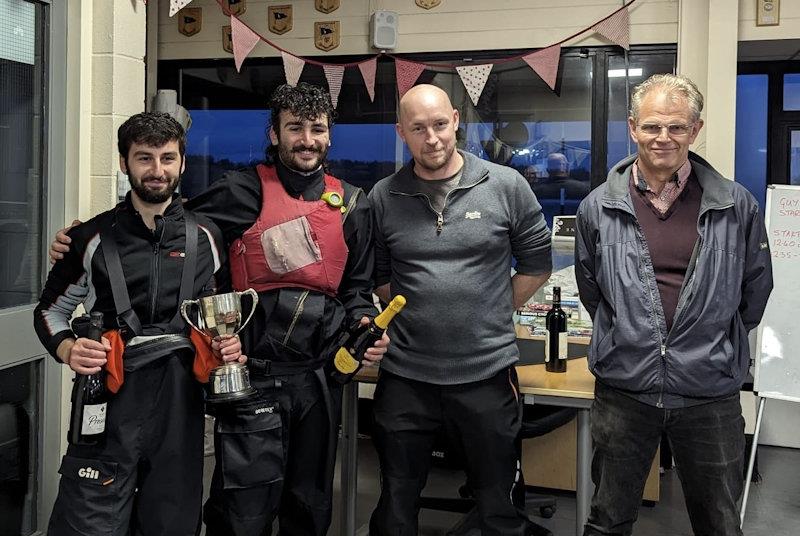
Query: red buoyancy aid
(293, 243)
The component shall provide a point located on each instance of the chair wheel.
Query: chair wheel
(547, 511)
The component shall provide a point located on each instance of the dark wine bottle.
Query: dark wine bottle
(89, 397)
(555, 342)
(347, 360)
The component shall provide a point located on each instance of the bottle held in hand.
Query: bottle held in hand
(89, 397)
(555, 342)
(347, 360)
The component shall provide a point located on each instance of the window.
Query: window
(751, 134)
(791, 92)
(22, 98)
(555, 139)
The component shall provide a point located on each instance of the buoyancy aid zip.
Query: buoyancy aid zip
(298, 310)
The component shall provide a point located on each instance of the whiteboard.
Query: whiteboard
(777, 370)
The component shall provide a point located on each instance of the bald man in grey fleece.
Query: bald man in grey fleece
(446, 227)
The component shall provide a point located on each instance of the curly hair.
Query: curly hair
(305, 101)
(150, 128)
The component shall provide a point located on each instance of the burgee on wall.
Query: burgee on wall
(474, 78)
(545, 63)
(244, 40)
(177, 5)
(293, 67)
(616, 28)
(334, 75)
(368, 70)
(406, 73)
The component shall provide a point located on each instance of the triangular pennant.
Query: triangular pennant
(407, 73)
(293, 67)
(368, 70)
(334, 75)
(244, 40)
(474, 78)
(177, 5)
(616, 29)
(545, 63)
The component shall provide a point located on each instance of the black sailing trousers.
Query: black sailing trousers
(147, 477)
(480, 419)
(273, 460)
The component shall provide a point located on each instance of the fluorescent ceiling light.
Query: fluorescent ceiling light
(619, 73)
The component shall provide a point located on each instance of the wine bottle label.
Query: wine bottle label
(562, 345)
(344, 362)
(547, 346)
(94, 419)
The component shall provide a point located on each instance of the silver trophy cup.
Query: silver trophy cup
(219, 316)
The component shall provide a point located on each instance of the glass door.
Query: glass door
(30, 383)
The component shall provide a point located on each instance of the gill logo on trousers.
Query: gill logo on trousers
(265, 409)
(88, 472)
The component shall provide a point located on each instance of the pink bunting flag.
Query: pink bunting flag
(334, 75)
(544, 62)
(368, 70)
(293, 67)
(407, 73)
(177, 5)
(474, 78)
(244, 40)
(616, 29)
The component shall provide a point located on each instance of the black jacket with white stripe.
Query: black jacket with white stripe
(152, 262)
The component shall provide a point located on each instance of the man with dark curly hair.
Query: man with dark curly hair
(303, 240)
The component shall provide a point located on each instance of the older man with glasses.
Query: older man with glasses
(673, 264)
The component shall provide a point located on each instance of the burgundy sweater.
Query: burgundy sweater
(670, 238)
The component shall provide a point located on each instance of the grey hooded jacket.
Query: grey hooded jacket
(454, 269)
(724, 293)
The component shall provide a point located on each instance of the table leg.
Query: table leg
(584, 486)
(349, 469)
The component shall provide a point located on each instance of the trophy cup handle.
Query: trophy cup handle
(184, 306)
(254, 296)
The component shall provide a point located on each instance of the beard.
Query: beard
(291, 157)
(435, 163)
(149, 195)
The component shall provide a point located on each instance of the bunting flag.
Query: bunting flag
(474, 77)
(544, 62)
(407, 73)
(293, 67)
(244, 40)
(177, 5)
(616, 29)
(368, 70)
(334, 75)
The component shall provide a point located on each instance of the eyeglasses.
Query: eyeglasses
(653, 129)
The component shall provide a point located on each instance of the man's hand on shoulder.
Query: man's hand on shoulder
(60, 245)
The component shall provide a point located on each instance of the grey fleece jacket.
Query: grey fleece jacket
(454, 269)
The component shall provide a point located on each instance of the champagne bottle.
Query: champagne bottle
(89, 397)
(555, 342)
(347, 360)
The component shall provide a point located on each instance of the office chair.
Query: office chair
(536, 421)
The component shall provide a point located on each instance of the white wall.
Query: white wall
(454, 25)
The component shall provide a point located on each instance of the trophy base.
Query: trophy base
(225, 398)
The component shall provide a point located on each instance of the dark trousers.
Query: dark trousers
(482, 419)
(274, 459)
(147, 477)
(707, 443)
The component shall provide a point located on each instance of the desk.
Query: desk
(574, 389)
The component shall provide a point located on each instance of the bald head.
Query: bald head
(427, 123)
(424, 95)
